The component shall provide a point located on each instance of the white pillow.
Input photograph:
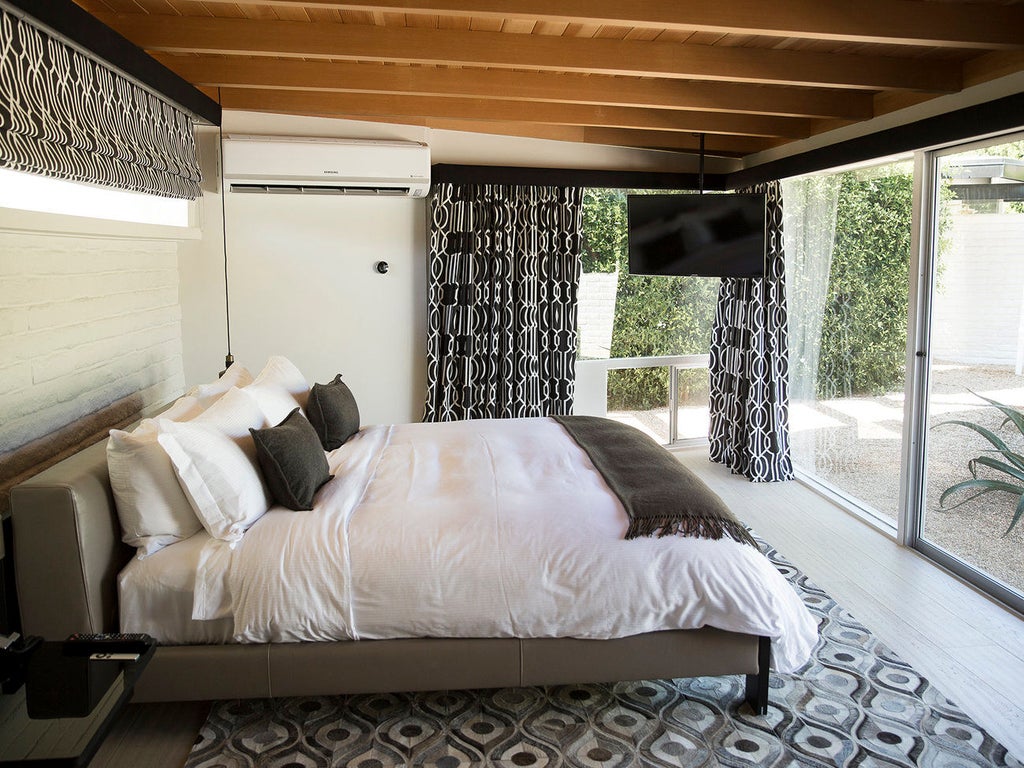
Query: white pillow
(183, 409)
(153, 510)
(214, 457)
(235, 376)
(279, 387)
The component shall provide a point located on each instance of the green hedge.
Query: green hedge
(864, 330)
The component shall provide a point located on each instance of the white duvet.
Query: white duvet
(482, 529)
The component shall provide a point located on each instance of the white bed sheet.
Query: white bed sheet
(514, 508)
(155, 596)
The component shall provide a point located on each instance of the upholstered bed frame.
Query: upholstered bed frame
(68, 552)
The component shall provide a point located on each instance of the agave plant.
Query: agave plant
(1002, 459)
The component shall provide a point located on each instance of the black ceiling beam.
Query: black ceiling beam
(78, 27)
(571, 177)
(991, 117)
(972, 192)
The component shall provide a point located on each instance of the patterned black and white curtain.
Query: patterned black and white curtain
(503, 273)
(749, 364)
(65, 115)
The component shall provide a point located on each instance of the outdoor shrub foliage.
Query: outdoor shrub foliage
(653, 315)
(1005, 462)
(604, 230)
(863, 337)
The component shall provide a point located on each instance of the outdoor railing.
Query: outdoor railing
(592, 384)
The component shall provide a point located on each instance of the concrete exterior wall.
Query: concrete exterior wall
(977, 312)
(597, 313)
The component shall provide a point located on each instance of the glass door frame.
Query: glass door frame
(913, 477)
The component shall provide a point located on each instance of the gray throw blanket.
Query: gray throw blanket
(660, 495)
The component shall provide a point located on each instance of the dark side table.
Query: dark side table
(65, 709)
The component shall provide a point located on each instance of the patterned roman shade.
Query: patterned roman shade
(65, 115)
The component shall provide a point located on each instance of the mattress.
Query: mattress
(487, 528)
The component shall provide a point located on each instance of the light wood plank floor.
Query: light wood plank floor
(152, 736)
(967, 645)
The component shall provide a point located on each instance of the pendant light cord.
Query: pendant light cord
(228, 358)
(701, 176)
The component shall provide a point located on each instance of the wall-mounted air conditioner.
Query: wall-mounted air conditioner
(287, 165)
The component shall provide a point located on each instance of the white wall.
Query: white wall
(84, 321)
(302, 283)
(978, 310)
(301, 273)
(597, 294)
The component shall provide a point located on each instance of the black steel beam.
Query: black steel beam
(571, 177)
(1009, 192)
(997, 116)
(79, 28)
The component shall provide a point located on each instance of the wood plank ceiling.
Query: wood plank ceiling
(748, 74)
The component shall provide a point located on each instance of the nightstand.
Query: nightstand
(74, 701)
(8, 598)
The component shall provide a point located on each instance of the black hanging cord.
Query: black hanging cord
(701, 176)
(228, 358)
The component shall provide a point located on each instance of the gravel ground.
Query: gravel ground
(860, 454)
(854, 444)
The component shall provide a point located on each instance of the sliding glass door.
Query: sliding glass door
(848, 238)
(919, 425)
(968, 512)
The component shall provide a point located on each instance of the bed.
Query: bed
(550, 591)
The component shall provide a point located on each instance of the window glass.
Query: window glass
(975, 438)
(31, 192)
(847, 239)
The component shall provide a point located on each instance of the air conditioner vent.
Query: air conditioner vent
(310, 166)
(289, 189)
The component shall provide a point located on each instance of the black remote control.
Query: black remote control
(86, 644)
(110, 637)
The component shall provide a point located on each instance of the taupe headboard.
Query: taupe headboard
(21, 463)
(67, 547)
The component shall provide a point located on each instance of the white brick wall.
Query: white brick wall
(977, 312)
(84, 321)
(596, 313)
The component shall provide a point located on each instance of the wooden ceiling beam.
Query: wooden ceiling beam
(899, 22)
(327, 102)
(573, 88)
(496, 49)
(572, 133)
(716, 145)
(992, 65)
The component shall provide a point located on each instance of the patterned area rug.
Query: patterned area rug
(854, 704)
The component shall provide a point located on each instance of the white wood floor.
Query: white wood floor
(970, 647)
(967, 645)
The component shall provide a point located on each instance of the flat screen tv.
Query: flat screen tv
(706, 235)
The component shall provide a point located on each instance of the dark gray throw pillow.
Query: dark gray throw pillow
(333, 412)
(293, 462)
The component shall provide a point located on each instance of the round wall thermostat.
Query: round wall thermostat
(382, 267)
